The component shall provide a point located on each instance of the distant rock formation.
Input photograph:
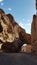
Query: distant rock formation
(34, 34)
(11, 34)
(26, 48)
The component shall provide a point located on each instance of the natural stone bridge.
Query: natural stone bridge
(12, 36)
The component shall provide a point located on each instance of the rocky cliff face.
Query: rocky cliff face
(34, 34)
(11, 33)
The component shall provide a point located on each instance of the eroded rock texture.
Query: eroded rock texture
(11, 34)
(34, 34)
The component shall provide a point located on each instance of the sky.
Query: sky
(22, 10)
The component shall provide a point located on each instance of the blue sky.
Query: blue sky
(22, 10)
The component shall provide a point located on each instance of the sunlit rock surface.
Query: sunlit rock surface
(26, 48)
(11, 34)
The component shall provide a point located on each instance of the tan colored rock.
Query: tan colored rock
(26, 48)
(19, 30)
(34, 34)
(11, 33)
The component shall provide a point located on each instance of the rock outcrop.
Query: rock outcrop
(34, 34)
(26, 48)
(13, 46)
(11, 34)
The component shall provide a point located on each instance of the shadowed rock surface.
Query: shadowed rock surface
(12, 47)
(11, 34)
